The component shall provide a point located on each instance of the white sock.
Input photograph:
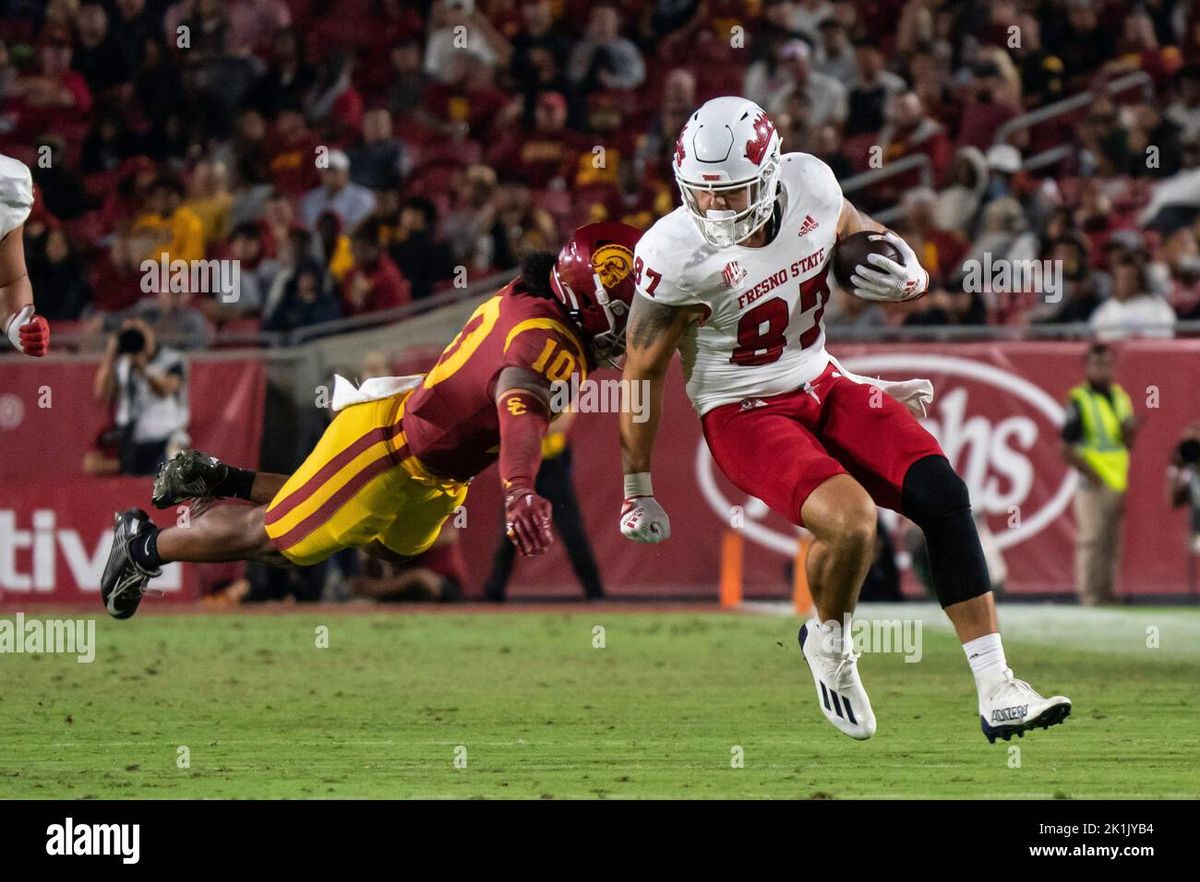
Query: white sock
(985, 655)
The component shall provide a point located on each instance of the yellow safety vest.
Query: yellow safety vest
(1103, 447)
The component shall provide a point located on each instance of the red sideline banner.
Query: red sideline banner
(55, 521)
(997, 412)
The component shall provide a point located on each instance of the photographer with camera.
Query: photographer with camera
(148, 384)
(1183, 482)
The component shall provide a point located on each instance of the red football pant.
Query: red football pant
(784, 448)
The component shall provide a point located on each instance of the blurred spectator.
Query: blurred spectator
(291, 151)
(380, 160)
(1082, 295)
(547, 155)
(455, 27)
(167, 230)
(210, 200)
(1184, 111)
(910, 132)
(62, 189)
(835, 53)
(604, 59)
(305, 298)
(873, 89)
(958, 204)
(1131, 310)
(1041, 71)
(288, 78)
(826, 96)
(55, 98)
(256, 271)
(57, 274)
(375, 283)
(473, 228)
(422, 259)
(537, 47)
(988, 107)
(1097, 434)
(334, 246)
(940, 251)
(98, 57)
(351, 202)
(147, 385)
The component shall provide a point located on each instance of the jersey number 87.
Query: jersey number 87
(761, 331)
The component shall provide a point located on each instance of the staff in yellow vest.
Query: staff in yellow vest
(1097, 435)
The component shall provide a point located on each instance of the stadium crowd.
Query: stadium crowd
(355, 155)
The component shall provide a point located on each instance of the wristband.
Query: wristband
(638, 484)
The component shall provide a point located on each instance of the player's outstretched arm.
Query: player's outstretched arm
(28, 332)
(882, 278)
(523, 409)
(651, 338)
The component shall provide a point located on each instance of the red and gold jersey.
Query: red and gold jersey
(450, 420)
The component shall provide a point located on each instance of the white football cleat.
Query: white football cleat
(1011, 707)
(840, 692)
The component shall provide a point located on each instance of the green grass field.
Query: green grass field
(542, 713)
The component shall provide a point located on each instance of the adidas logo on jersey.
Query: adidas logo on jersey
(808, 226)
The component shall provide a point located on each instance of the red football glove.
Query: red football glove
(527, 520)
(28, 332)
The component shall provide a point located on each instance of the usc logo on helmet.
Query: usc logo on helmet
(612, 263)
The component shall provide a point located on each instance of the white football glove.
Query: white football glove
(887, 280)
(642, 518)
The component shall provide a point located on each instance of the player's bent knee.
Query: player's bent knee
(841, 512)
(933, 491)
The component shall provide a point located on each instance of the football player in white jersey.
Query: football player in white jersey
(27, 331)
(737, 279)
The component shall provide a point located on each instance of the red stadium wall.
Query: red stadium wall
(55, 521)
(997, 411)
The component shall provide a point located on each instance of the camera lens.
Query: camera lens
(131, 341)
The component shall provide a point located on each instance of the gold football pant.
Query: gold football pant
(361, 484)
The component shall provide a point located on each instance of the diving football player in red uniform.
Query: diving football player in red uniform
(389, 470)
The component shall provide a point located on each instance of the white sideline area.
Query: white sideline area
(1109, 629)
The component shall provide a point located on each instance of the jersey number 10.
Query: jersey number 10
(761, 332)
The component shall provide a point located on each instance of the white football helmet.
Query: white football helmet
(727, 145)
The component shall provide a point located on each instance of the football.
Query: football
(853, 250)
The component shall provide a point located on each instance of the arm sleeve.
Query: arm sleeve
(524, 420)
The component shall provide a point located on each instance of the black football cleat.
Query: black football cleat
(189, 476)
(124, 580)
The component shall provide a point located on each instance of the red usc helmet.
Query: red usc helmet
(593, 279)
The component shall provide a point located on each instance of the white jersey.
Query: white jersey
(764, 333)
(16, 194)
